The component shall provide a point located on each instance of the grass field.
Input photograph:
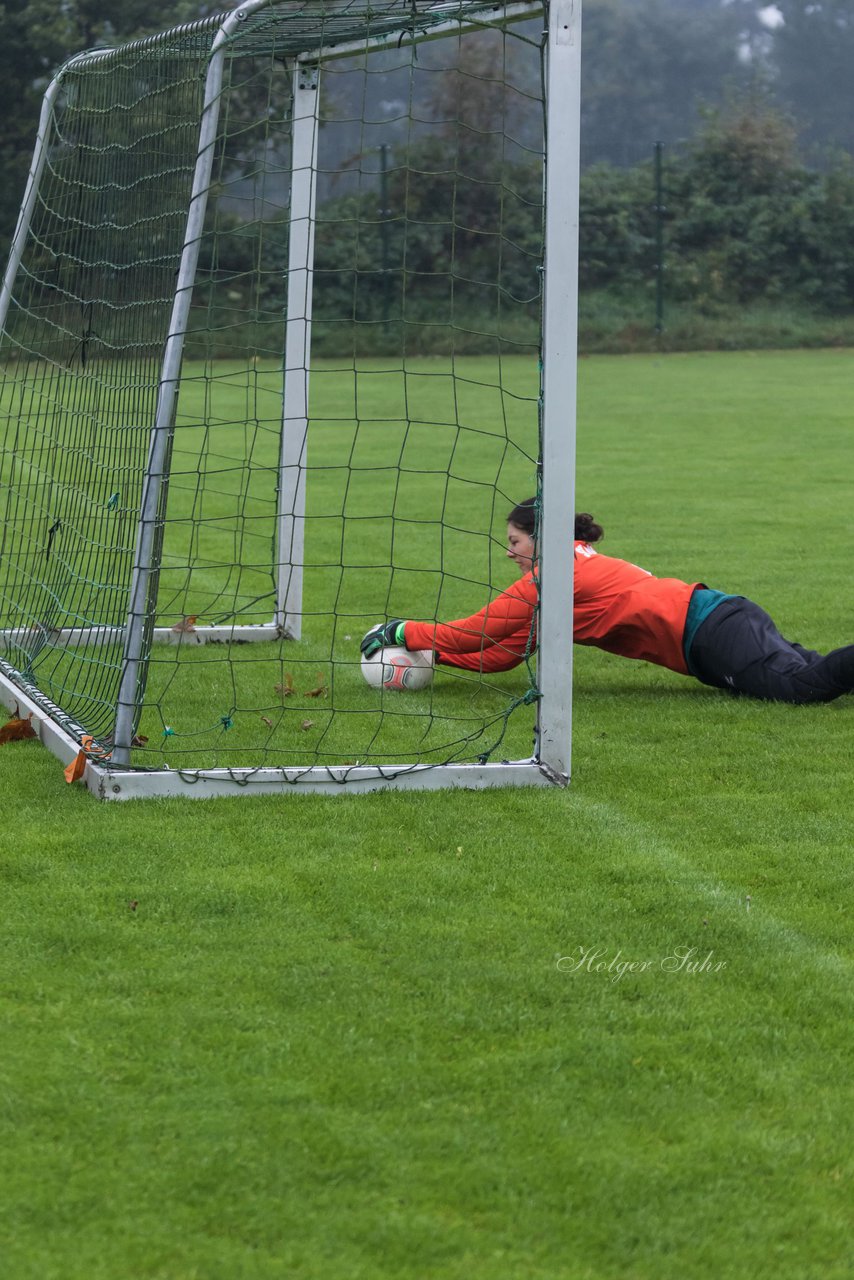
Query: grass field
(395, 1037)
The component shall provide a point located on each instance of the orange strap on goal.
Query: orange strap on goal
(75, 770)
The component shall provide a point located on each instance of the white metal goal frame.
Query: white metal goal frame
(107, 772)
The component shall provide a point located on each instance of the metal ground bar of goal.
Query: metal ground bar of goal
(207, 784)
(108, 783)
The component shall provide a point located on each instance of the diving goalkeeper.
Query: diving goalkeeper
(722, 640)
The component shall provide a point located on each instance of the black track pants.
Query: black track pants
(739, 648)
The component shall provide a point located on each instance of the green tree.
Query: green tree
(38, 35)
(647, 69)
(751, 221)
(812, 55)
(617, 229)
(34, 40)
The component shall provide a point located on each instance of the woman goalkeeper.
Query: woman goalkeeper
(723, 640)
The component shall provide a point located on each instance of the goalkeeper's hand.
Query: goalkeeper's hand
(384, 633)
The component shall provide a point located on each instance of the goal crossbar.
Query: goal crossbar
(346, 30)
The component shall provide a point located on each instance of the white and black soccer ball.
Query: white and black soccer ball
(399, 669)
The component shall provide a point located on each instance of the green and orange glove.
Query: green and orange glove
(382, 635)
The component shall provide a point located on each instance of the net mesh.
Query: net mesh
(423, 386)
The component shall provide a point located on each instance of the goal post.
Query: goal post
(288, 326)
(152, 508)
(560, 365)
(295, 400)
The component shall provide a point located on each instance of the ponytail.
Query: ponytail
(587, 530)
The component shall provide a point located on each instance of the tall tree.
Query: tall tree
(647, 69)
(812, 52)
(35, 38)
(38, 35)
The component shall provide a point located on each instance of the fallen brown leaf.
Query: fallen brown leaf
(187, 625)
(286, 689)
(321, 690)
(16, 729)
(307, 724)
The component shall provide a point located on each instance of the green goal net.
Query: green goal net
(272, 372)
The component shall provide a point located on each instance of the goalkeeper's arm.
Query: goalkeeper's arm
(497, 638)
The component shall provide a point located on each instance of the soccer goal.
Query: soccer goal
(288, 327)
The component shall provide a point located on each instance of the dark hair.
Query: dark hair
(525, 517)
(586, 528)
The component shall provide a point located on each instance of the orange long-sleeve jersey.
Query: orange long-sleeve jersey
(616, 606)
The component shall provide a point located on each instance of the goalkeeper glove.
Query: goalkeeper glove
(384, 633)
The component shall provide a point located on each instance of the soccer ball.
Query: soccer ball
(394, 668)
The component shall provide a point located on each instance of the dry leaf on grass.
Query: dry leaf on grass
(307, 724)
(287, 689)
(16, 729)
(321, 690)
